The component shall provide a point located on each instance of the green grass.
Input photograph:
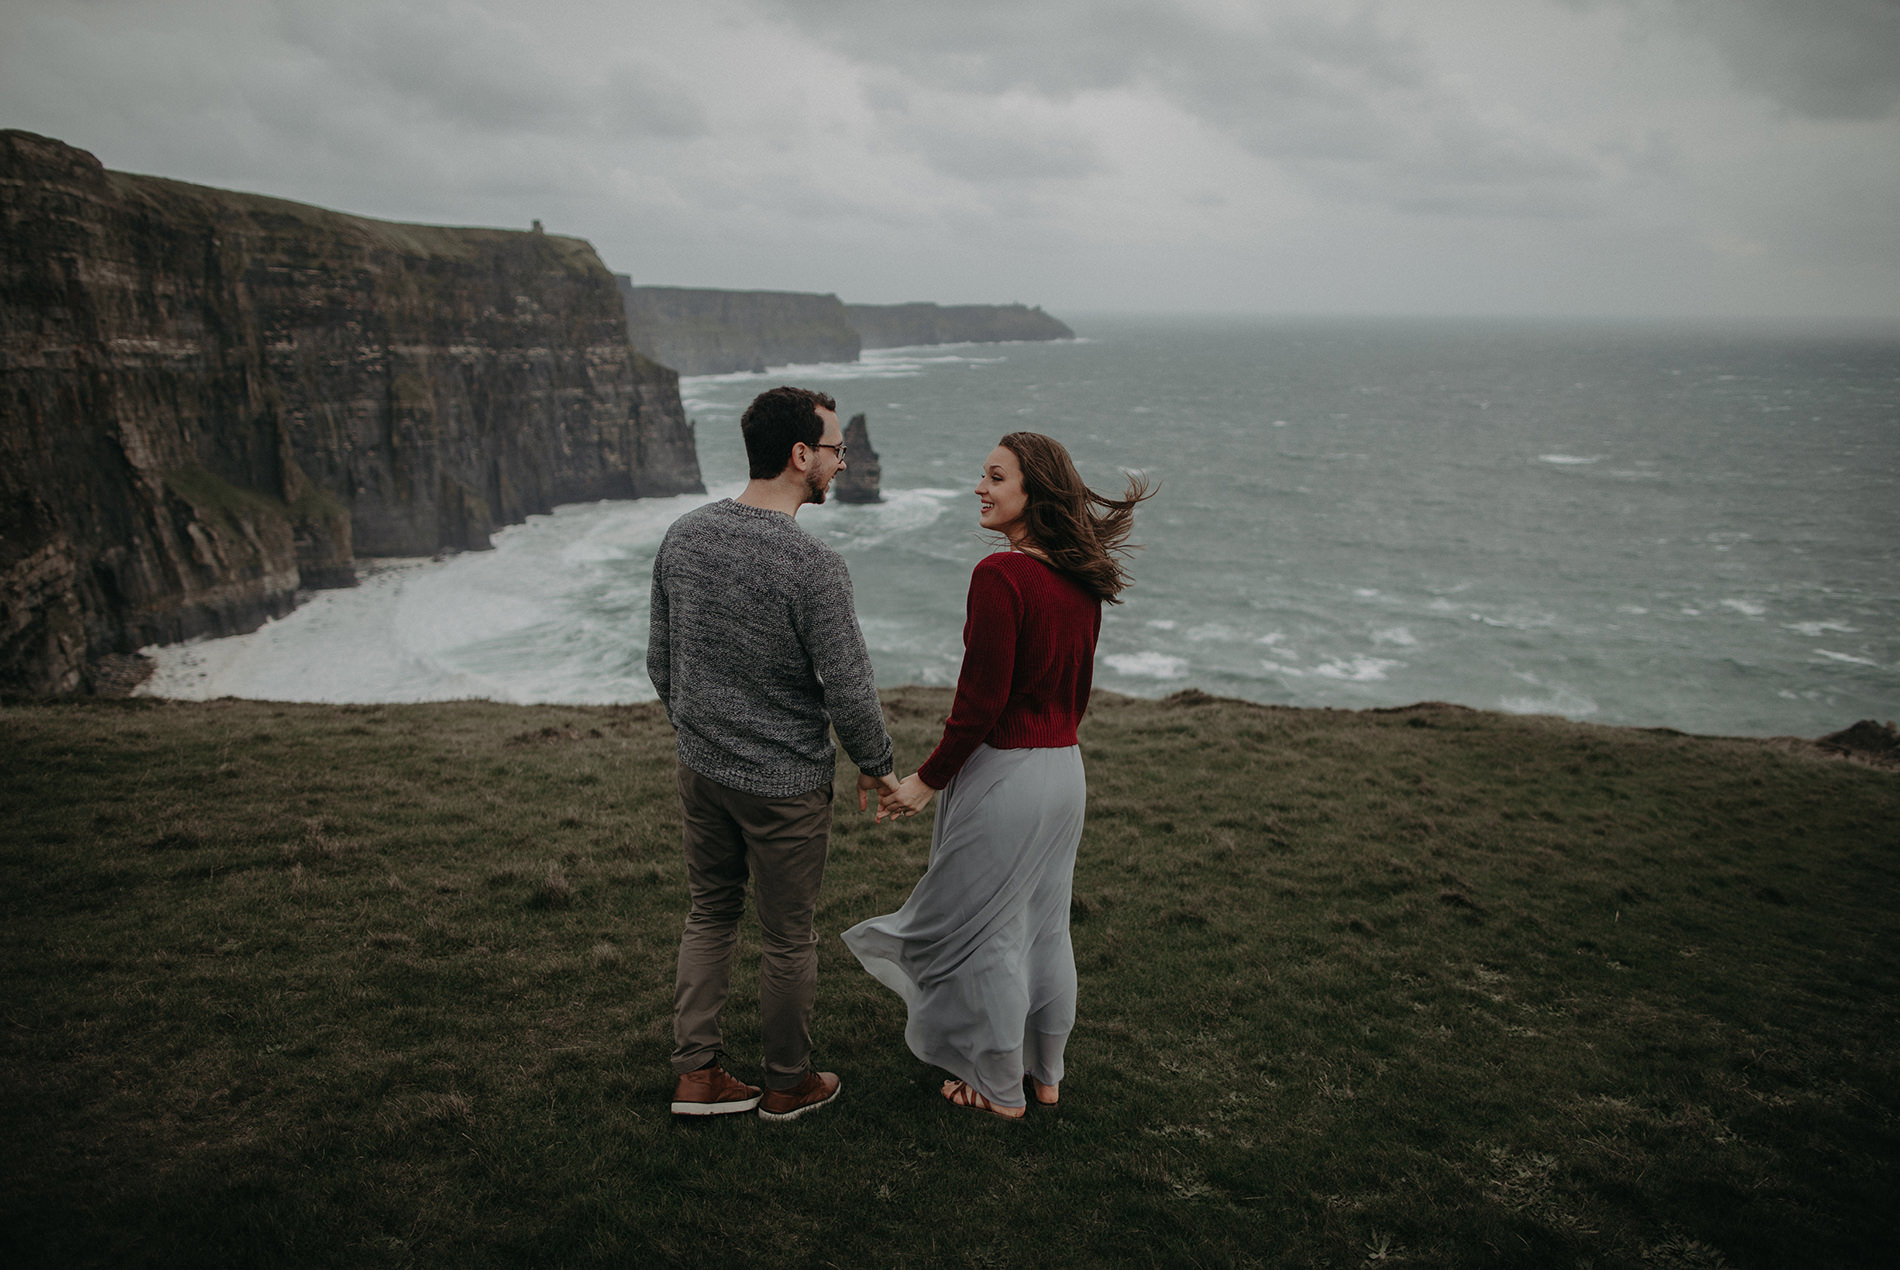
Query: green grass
(386, 986)
(213, 496)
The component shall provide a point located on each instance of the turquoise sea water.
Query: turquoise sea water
(1697, 529)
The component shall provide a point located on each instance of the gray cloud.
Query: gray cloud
(996, 154)
(1594, 156)
(462, 66)
(1337, 99)
(1827, 59)
(978, 140)
(1832, 59)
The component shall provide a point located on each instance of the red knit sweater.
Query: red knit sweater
(1028, 661)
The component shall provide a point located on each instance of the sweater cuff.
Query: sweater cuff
(933, 775)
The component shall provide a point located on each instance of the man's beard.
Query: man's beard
(814, 492)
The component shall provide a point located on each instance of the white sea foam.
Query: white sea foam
(1516, 620)
(1396, 636)
(1211, 632)
(1846, 657)
(1356, 669)
(523, 622)
(1814, 630)
(1558, 700)
(339, 646)
(1147, 665)
(1748, 608)
(881, 363)
(1571, 705)
(861, 526)
(1572, 460)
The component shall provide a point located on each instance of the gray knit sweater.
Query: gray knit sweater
(756, 653)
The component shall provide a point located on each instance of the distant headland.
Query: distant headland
(701, 331)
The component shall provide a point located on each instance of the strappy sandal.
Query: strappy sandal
(1046, 1095)
(961, 1095)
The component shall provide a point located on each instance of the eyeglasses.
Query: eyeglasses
(826, 445)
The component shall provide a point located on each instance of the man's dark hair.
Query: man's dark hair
(777, 420)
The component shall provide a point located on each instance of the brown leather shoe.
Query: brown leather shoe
(817, 1089)
(712, 1091)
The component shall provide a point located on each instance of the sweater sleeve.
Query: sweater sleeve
(827, 623)
(659, 641)
(995, 616)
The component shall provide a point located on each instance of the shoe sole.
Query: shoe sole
(715, 1108)
(796, 1112)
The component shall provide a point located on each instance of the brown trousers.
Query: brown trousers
(781, 844)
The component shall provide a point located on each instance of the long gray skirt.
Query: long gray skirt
(980, 951)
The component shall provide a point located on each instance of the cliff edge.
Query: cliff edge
(210, 399)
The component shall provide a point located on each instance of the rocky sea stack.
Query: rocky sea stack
(209, 400)
(859, 484)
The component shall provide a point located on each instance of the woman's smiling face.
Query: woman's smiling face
(1001, 498)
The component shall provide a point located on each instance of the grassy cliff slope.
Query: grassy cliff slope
(293, 985)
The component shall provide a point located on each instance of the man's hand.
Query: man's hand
(885, 784)
(907, 799)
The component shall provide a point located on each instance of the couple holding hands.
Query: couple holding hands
(756, 653)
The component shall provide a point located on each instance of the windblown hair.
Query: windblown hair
(777, 420)
(1061, 520)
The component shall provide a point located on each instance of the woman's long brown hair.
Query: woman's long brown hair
(1061, 522)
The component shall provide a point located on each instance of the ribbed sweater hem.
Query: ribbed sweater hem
(1031, 734)
(1037, 734)
(780, 781)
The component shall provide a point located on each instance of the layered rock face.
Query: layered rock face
(210, 399)
(899, 325)
(706, 332)
(862, 472)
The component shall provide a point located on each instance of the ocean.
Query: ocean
(1685, 527)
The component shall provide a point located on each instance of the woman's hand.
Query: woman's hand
(910, 797)
(884, 784)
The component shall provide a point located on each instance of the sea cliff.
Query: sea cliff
(700, 331)
(898, 325)
(210, 399)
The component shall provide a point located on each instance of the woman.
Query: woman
(980, 952)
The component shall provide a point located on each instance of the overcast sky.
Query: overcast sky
(1727, 158)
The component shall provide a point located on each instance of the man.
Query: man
(756, 653)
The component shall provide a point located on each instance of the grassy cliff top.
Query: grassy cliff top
(294, 985)
(29, 160)
(181, 198)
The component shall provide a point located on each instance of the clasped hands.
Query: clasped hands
(895, 799)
